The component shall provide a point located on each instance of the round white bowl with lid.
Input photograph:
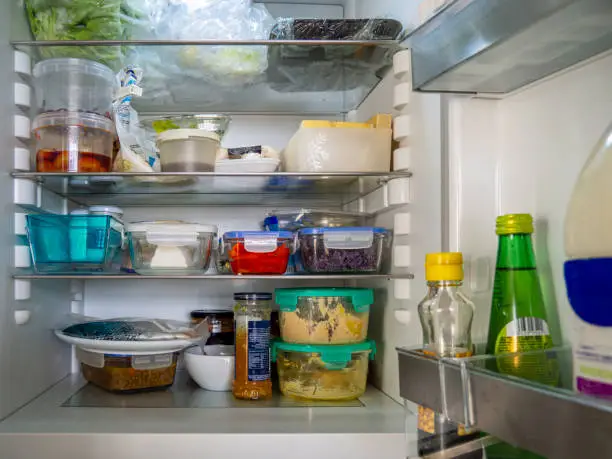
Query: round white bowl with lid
(188, 150)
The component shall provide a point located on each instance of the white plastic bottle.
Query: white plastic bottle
(588, 270)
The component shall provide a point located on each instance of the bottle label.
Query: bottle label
(258, 346)
(527, 334)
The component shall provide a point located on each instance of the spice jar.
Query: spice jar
(252, 379)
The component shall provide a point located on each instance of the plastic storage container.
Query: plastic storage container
(126, 373)
(72, 84)
(78, 242)
(258, 252)
(333, 146)
(362, 249)
(338, 372)
(188, 150)
(324, 315)
(73, 142)
(172, 247)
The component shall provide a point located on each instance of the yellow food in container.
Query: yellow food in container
(323, 372)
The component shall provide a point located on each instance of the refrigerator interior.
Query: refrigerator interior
(472, 159)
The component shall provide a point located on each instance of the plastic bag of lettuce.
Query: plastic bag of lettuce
(86, 20)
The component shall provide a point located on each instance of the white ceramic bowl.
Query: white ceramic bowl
(211, 372)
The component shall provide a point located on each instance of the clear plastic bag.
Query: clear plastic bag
(87, 20)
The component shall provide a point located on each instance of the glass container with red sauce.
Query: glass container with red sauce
(73, 142)
(258, 252)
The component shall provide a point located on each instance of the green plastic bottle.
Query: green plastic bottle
(518, 320)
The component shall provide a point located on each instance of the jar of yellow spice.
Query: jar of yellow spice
(324, 315)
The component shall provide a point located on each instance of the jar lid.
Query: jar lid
(203, 313)
(287, 298)
(185, 134)
(68, 118)
(334, 356)
(111, 210)
(71, 64)
(263, 296)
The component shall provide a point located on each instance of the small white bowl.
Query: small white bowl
(211, 372)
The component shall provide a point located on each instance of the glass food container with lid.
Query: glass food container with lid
(324, 315)
(323, 372)
(173, 247)
(258, 252)
(360, 249)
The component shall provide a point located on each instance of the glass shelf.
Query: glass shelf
(296, 77)
(209, 188)
(229, 277)
(528, 400)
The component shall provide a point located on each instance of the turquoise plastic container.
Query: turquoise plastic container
(63, 244)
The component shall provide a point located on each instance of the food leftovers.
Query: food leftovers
(258, 252)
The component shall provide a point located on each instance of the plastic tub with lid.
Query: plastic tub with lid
(360, 249)
(324, 315)
(188, 150)
(75, 85)
(73, 142)
(128, 373)
(323, 372)
(335, 146)
(258, 252)
(174, 247)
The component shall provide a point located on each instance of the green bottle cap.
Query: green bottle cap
(514, 224)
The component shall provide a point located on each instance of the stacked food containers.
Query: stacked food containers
(323, 352)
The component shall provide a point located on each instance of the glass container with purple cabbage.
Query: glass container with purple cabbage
(362, 249)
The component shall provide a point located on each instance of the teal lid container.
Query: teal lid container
(334, 356)
(360, 298)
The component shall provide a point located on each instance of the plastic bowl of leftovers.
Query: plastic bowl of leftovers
(323, 372)
(128, 373)
(210, 123)
(188, 150)
(258, 252)
(324, 315)
(170, 247)
(362, 249)
(73, 84)
(211, 371)
(73, 142)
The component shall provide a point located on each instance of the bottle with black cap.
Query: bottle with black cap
(252, 379)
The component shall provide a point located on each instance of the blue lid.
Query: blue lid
(242, 234)
(582, 280)
(373, 229)
(334, 356)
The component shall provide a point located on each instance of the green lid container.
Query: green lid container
(334, 356)
(287, 298)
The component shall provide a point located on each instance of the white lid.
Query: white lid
(185, 134)
(82, 66)
(170, 226)
(68, 118)
(80, 212)
(106, 209)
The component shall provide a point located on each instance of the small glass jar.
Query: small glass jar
(252, 313)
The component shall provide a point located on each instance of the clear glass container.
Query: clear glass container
(252, 317)
(344, 250)
(128, 373)
(338, 372)
(73, 142)
(258, 252)
(217, 124)
(324, 315)
(170, 247)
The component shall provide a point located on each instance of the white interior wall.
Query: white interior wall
(523, 154)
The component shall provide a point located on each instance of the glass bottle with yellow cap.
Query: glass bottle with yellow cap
(446, 317)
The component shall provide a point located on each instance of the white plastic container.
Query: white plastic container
(188, 150)
(172, 247)
(73, 85)
(243, 184)
(213, 371)
(332, 146)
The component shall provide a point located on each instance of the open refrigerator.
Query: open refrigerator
(496, 109)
